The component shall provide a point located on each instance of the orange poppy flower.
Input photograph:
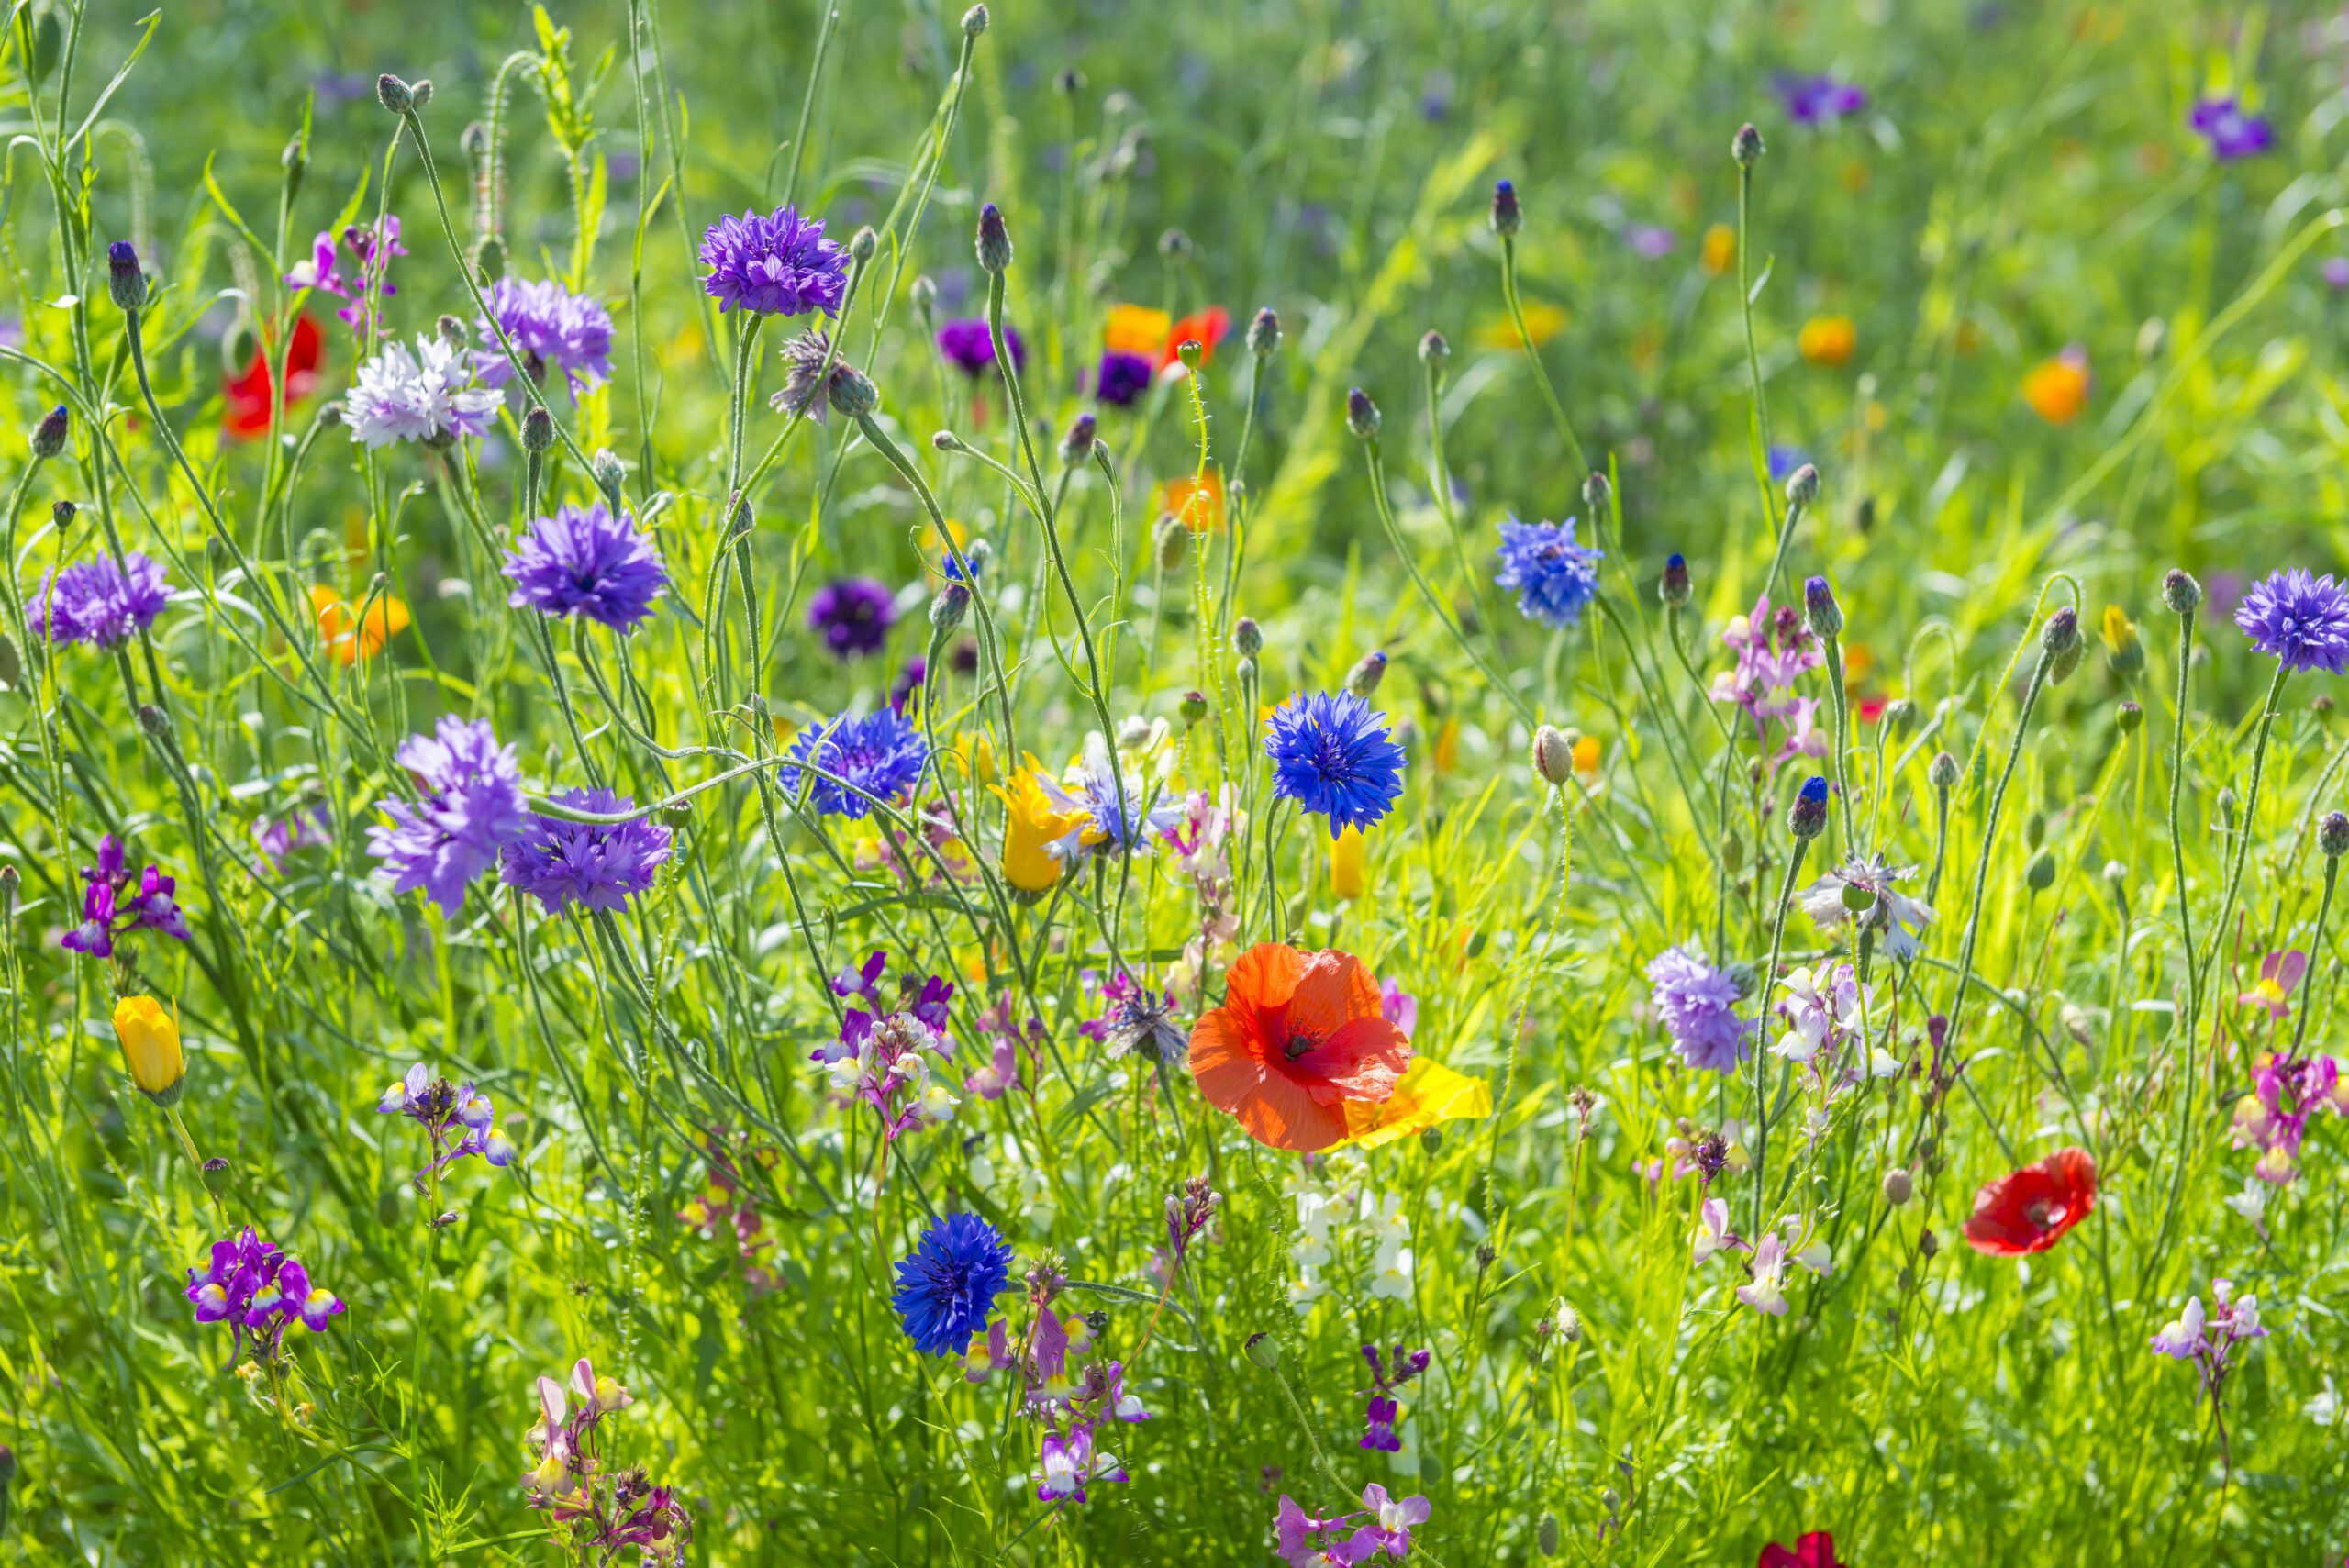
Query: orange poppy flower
(246, 397)
(1198, 501)
(1299, 1035)
(2057, 389)
(348, 636)
(1137, 329)
(1827, 340)
(1207, 327)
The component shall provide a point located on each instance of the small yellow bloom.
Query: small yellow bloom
(1719, 253)
(1138, 329)
(1543, 322)
(975, 753)
(1035, 824)
(350, 635)
(1347, 854)
(2121, 648)
(151, 1047)
(1853, 177)
(1585, 755)
(1828, 339)
(1427, 1094)
(2057, 389)
(1447, 746)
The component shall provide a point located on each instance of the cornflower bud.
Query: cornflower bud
(1364, 678)
(1676, 588)
(606, 470)
(537, 429)
(1433, 350)
(2333, 834)
(48, 435)
(853, 395)
(1506, 219)
(1076, 446)
(974, 21)
(1941, 772)
(994, 244)
(948, 608)
(1598, 495)
(1175, 244)
(1247, 637)
(1170, 541)
(1746, 146)
(2128, 717)
(2180, 591)
(125, 281)
(863, 244)
(1361, 414)
(395, 94)
(1807, 816)
(1802, 486)
(1265, 333)
(925, 297)
(1824, 615)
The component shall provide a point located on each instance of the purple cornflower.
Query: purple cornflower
(549, 326)
(2301, 620)
(1381, 1414)
(426, 395)
(853, 615)
(1783, 460)
(373, 255)
(2231, 131)
(1555, 578)
(114, 904)
(909, 683)
(947, 1285)
(1331, 755)
(1893, 915)
(969, 347)
(99, 603)
(583, 561)
(1818, 100)
(1698, 1006)
(255, 1287)
(877, 755)
(1122, 378)
(2209, 1338)
(458, 1120)
(310, 827)
(1142, 1024)
(1188, 1213)
(776, 265)
(469, 807)
(600, 865)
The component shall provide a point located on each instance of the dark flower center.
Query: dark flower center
(1298, 1044)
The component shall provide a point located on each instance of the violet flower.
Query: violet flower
(115, 904)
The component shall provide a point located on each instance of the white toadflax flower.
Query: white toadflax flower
(424, 395)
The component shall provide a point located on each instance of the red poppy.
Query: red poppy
(247, 394)
(2029, 1211)
(1298, 1034)
(1815, 1549)
(1206, 327)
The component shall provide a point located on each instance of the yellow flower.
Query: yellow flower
(1828, 339)
(1719, 253)
(1036, 821)
(1585, 754)
(2121, 648)
(1447, 746)
(1138, 329)
(1347, 854)
(1853, 177)
(151, 1047)
(1428, 1092)
(2057, 389)
(975, 753)
(349, 635)
(1543, 322)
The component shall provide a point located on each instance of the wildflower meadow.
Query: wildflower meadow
(1264, 782)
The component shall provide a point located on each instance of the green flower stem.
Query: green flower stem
(1768, 982)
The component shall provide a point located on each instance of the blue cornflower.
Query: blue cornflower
(1122, 378)
(2300, 620)
(1784, 461)
(776, 265)
(550, 327)
(99, 602)
(583, 561)
(1553, 576)
(599, 864)
(881, 753)
(470, 806)
(1332, 755)
(947, 1286)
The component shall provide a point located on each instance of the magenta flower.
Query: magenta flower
(114, 904)
(2231, 130)
(2278, 973)
(252, 1286)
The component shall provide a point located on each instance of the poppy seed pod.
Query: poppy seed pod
(1898, 1185)
(1807, 818)
(1265, 333)
(1675, 589)
(2180, 591)
(1746, 146)
(2039, 876)
(1802, 486)
(1361, 414)
(1264, 1350)
(150, 1048)
(993, 244)
(2333, 834)
(1553, 755)
(1507, 217)
(48, 435)
(125, 281)
(1170, 541)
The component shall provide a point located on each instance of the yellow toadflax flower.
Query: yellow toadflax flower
(1038, 821)
(151, 1047)
(1427, 1094)
(1347, 854)
(1828, 339)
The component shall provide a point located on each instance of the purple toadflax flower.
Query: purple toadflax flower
(114, 904)
(2286, 1091)
(600, 865)
(970, 348)
(374, 249)
(425, 395)
(551, 328)
(470, 808)
(584, 561)
(853, 615)
(1334, 756)
(1818, 100)
(1189, 1214)
(1384, 1523)
(255, 1288)
(1555, 578)
(1774, 652)
(777, 265)
(98, 603)
(2231, 130)
(876, 756)
(458, 1120)
(310, 827)
(2299, 620)
(1698, 1006)
(884, 1059)
(1382, 1412)
(2208, 1339)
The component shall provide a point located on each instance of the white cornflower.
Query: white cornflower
(422, 396)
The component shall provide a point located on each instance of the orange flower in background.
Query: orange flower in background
(2057, 389)
(245, 396)
(1828, 339)
(1137, 329)
(348, 636)
(1299, 1035)
(1206, 327)
(1197, 500)
(1543, 322)
(1718, 255)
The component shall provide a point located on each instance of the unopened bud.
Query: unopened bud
(154, 721)
(1364, 678)
(1746, 146)
(2180, 591)
(2128, 717)
(925, 297)
(994, 244)
(1076, 447)
(1820, 609)
(2333, 834)
(947, 610)
(1264, 1350)
(125, 281)
(1507, 217)
(48, 435)
(1247, 637)
(1898, 1185)
(1676, 588)
(395, 94)
(1361, 414)
(1598, 495)
(974, 21)
(1433, 350)
(1265, 333)
(215, 1173)
(1554, 756)
(1170, 541)
(1941, 772)
(863, 245)
(605, 468)
(1193, 707)
(1807, 818)
(853, 395)
(538, 430)
(2039, 876)
(1802, 486)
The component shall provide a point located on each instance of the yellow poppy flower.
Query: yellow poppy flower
(151, 1047)
(1828, 339)
(1036, 822)
(1427, 1094)
(1348, 853)
(2121, 647)
(350, 635)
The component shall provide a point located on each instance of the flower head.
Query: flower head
(1862, 893)
(99, 603)
(1698, 1006)
(255, 1288)
(117, 902)
(247, 396)
(470, 805)
(2031, 1210)
(1428, 1094)
(2278, 973)
(600, 865)
(1298, 1034)
(777, 265)
(2057, 388)
(373, 247)
(2301, 620)
(551, 328)
(150, 1048)
(947, 1286)
(353, 632)
(1036, 823)
(1334, 756)
(1115, 809)
(878, 754)
(583, 561)
(1818, 100)
(969, 347)
(1814, 1549)
(853, 616)
(1555, 579)
(1122, 378)
(2230, 129)
(424, 396)
(457, 1119)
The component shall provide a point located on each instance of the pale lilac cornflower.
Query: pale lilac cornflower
(115, 904)
(373, 248)
(428, 394)
(2286, 1091)
(1895, 917)
(584, 561)
(458, 1120)
(98, 603)
(2230, 130)
(252, 1286)
(597, 865)
(551, 328)
(1697, 1004)
(2300, 621)
(779, 265)
(469, 807)
(2208, 1339)
(1818, 100)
